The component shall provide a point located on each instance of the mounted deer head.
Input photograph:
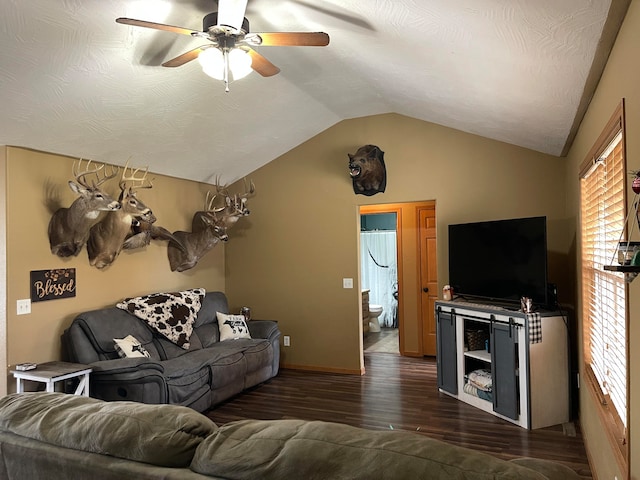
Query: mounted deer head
(69, 227)
(234, 207)
(143, 231)
(190, 247)
(106, 238)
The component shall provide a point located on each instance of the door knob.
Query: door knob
(425, 289)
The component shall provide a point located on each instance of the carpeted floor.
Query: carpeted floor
(384, 341)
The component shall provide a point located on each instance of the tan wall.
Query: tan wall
(620, 79)
(3, 268)
(302, 236)
(32, 177)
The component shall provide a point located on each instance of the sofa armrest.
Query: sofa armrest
(134, 379)
(126, 365)
(263, 329)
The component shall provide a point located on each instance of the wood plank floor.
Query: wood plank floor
(400, 393)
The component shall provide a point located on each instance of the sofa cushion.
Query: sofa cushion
(213, 302)
(251, 449)
(232, 326)
(170, 314)
(169, 350)
(208, 334)
(163, 435)
(100, 327)
(552, 470)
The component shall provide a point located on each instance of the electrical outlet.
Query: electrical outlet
(287, 341)
(347, 283)
(23, 306)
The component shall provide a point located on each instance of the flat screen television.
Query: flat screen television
(500, 261)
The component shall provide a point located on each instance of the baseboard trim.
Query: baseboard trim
(316, 368)
(412, 354)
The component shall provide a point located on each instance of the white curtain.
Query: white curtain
(380, 272)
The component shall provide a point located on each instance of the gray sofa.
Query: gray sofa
(67, 437)
(208, 372)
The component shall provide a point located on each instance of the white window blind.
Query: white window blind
(604, 292)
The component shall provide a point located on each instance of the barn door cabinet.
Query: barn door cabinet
(490, 345)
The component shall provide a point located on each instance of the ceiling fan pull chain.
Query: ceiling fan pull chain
(225, 56)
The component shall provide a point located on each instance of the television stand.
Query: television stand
(486, 358)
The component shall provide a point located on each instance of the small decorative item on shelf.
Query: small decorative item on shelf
(476, 339)
(447, 293)
(627, 251)
(526, 305)
(635, 184)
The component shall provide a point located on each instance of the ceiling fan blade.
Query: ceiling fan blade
(157, 26)
(339, 13)
(231, 13)
(261, 65)
(291, 39)
(185, 57)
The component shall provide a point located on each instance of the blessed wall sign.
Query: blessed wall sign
(52, 284)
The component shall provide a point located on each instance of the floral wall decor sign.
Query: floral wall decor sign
(52, 284)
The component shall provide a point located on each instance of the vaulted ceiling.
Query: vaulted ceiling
(75, 82)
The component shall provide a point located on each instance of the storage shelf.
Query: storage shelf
(479, 355)
(533, 379)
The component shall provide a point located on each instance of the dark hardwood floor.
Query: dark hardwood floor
(400, 393)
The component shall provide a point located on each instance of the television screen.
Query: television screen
(501, 260)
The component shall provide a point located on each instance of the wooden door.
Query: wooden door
(428, 277)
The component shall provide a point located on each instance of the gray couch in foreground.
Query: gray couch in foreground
(55, 436)
(208, 372)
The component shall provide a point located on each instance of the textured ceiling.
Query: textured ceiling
(74, 82)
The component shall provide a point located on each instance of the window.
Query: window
(604, 293)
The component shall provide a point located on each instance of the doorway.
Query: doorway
(379, 280)
(417, 284)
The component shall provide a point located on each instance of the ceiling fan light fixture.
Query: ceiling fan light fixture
(212, 63)
(239, 63)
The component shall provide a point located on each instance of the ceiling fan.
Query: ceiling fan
(231, 49)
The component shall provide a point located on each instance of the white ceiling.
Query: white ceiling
(75, 82)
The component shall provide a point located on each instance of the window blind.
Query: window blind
(602, 202)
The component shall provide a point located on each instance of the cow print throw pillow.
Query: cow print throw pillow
(232, 326)
(170, 314)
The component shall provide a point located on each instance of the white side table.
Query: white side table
(52, 372)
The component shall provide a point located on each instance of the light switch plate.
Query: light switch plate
(347, 283)
(23, 306)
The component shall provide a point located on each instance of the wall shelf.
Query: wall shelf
(622, 268)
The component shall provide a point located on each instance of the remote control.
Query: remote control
(25, 366)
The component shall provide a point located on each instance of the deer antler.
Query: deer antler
(136, 182)
(208, 202)
(80, 176)
(221, 189)
(248, 191)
